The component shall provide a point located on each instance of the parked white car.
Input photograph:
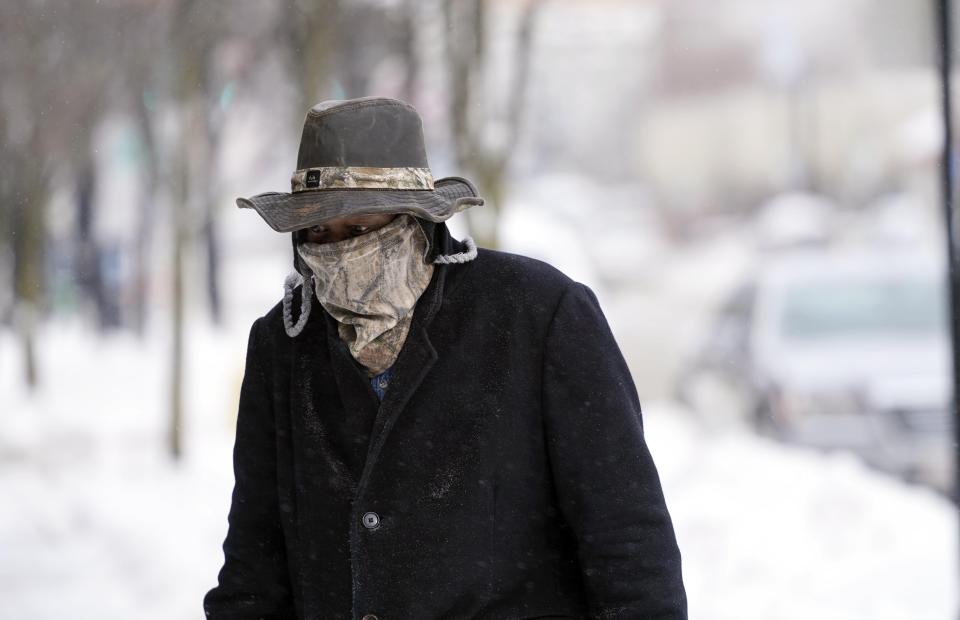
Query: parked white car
(844, 350)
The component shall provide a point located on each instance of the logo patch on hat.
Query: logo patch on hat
(312, 179)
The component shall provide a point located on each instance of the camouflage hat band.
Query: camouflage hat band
(361, 177)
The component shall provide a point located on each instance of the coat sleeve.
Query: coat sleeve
(607, 485)
(254, 582)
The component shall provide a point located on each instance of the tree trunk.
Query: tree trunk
(187, 75)
(311, 38)
(207, 150)
(146, 206)
(29, 206)
(408, 49)
(466, 56)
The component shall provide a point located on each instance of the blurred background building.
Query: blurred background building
(750, 186)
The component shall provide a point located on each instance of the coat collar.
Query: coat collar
(414, 362)
(416, 358)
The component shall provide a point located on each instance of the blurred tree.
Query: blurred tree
(310, 31)
(28, 55)
(408, 49)
(6, 224)
(484, 143)
(198, 28)
(379, 37)
(326, 65)
(86, 81)
(142, 89)
(193, 40)
(59, 64)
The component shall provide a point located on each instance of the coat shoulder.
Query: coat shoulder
(273, 318)
(516, 271)
(504, 287)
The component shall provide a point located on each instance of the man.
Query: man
(452, 434)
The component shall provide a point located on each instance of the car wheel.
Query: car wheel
(765, 422)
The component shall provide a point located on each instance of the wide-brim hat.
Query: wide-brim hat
(359, 157)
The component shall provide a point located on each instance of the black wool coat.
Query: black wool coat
(504, 476)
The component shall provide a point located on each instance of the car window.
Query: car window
(877, 307)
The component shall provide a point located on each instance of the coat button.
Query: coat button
(371, 520)
(369, 617)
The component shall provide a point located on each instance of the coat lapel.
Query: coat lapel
(353, 444)
(334, 404)
(359, 401)
(417, 357)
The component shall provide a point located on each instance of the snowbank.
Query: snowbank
(772, 532)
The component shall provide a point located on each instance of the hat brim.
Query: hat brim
(288, 212)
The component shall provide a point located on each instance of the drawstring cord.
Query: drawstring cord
(295, 279)
(459, 257)
(289, 284)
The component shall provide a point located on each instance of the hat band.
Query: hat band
(360, 177)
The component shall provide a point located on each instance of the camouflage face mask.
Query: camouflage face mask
(370, 285)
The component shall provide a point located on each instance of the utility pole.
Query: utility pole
(948, 181)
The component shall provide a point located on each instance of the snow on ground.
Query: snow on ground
(767, 531)
(96, 523)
